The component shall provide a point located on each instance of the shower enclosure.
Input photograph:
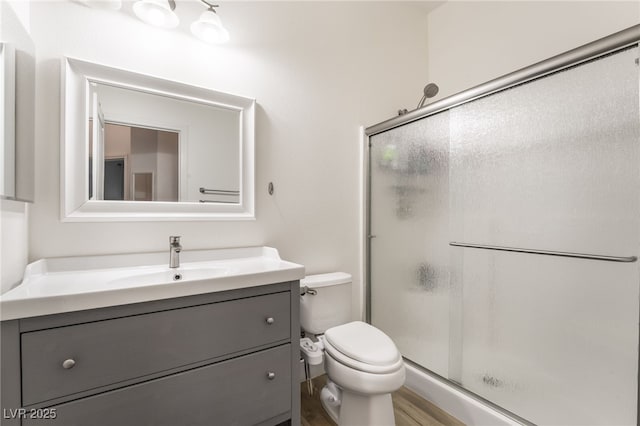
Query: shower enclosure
(503, 227)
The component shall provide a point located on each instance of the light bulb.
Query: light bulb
(155, 17)
(209, 28)
(156, 12)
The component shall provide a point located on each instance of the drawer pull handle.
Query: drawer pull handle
(270, 320)
(68, 364)
(271, 375)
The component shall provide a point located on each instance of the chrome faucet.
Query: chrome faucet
(174, 251)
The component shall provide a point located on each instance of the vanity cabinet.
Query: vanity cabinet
(226, 358)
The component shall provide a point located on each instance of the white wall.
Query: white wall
(471, 42)
(318, 70)
(21, 9)
(14, 215)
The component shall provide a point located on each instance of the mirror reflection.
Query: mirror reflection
(147, 146)
(129, 153)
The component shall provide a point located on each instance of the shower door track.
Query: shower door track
(628, 259)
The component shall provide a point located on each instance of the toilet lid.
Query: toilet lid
(364, 343)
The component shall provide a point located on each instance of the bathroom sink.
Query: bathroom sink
(58, 285)
(171, 275)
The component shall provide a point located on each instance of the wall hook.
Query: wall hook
(270, 188)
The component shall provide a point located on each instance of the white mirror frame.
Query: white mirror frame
(74, 186)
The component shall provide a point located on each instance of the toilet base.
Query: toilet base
(369, 410)
(354, 409)
(331, 399)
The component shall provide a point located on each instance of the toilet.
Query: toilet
(362, 363)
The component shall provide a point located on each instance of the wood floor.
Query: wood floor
(409, 409)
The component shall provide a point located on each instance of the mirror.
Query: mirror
(7, 120)
(17, 105)
(138, 147)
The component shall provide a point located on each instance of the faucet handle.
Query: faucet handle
(174, 239)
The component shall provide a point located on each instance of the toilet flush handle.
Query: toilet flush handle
(306, 290)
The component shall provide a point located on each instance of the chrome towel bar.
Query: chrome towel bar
(218, 201)
(218, 191)
(628, 259)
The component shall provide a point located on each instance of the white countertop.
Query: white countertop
(57, 285)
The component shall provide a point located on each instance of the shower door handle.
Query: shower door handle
(625, 259)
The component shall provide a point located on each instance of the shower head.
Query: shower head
(429, 91)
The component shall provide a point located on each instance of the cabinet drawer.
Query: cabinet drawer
(107, 352)
(234, 392)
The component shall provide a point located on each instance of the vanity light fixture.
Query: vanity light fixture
(208, 27)
(159, 13)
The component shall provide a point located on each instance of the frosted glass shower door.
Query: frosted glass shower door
(409, 216)
(552, 164)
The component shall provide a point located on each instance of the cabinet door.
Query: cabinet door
(244, 391)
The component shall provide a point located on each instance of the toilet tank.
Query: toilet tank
(330, 306)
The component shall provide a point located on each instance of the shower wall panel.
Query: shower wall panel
(409, 254)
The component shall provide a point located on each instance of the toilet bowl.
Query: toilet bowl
(362, 363)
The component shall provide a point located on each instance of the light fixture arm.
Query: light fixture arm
(210, 6)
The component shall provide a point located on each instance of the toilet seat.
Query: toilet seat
(361, 382)
(363, 347)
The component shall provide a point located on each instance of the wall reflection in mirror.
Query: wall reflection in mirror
(133, 155)
(152, 147)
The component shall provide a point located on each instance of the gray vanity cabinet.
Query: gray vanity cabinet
(227, 358)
